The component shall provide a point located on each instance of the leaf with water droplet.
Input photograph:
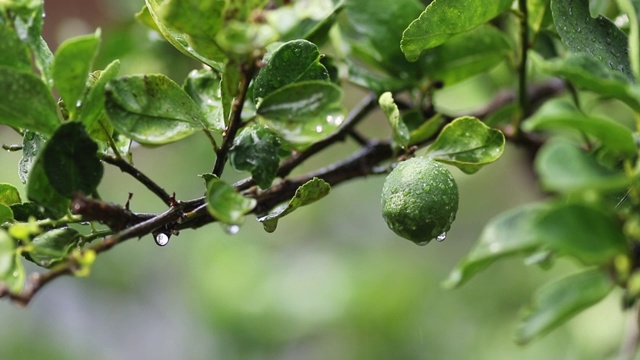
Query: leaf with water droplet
(204, 88)
(52, 246)
(310, 192)
(441, 237)
(32, 142)
(92, 113)
(300, 102)
(225, 204)
(255, 149)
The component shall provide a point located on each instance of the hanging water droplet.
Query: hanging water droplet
(231, 229)
(441, 237)
(422, 243)
(162, 239)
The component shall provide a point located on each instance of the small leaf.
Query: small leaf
(444, 19)
(294, 61)
(557, 302)
(72, 64)
(310, 192)
(27, 102)
(565, 168)
(510, 233)
(11, 270)
(599, 37)
(92, 113)
(587, 234)
(13, 52)
(53, 246)
(9, 195)
(24, 211)
(256, 149)
(400, 131)
(300, 102)
(204, 88)
(468, 144)
(152, 109)
(225, 204)
(70, 161)
(560, 114)
(32, 142)
(6, 214)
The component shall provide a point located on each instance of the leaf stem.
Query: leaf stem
(523, 100)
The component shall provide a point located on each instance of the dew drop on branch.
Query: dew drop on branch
(162, 239)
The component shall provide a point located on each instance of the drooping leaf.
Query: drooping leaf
(226, 204)
(72, 64)
(13, 52)
(565, 168)
(585, 233)
(53, 246)
(204, 88)
(70, 161)
(92, 112)
(468, 144)
(255, 149)
(557, 302)
(444, 19)
(310, 192)
(598, 37)
(27, 102)
(510, 233)
(9, 195)
(152, 109)
(401, 133)
(562, 114)
(300, 102)
(293, 62)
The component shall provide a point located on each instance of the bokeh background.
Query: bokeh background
(331, 283)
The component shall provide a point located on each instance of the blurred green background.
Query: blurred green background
(331, 283)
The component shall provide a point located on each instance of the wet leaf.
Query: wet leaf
(204, 88)
(151, 109)
(310, 192)
(32, 142)
(53, 246)
(256, 149)
(92, 113)
(442, 20)
(9, 195)
(401, 133)
(300, 102)
(40, 191)
(557, 302)
(28, 24)
(226, 204)
(24, 211)
(314, 19)
(13, 52)
(11, 270)
(468, 144)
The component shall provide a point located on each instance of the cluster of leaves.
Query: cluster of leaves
(268, 99)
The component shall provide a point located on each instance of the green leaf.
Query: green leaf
(230, 87)
(28, 24)
(468, 144)
(632, 9)
(71, 67)
(24, 211)
(467, 54)
(586, 72)
(6, 214)
(557, 302)
(310, 192)
(585, 233)
(70, 161)
(301, 134)
(53, 246)
(564, 167)
(32, 142)
(510, 233)
(9, 195)
(226, 204)
(293, 62)
(425, 129)
(539, 15)
(13, 52)
(204, 88)
(26, 102)
(400, 130)
(562, 114)
(313, 22)
(40, 191)
(599, 37)
(256, 149)
(444, 19)
(375, 82)
(11, 270)
(92, 112)
(300, 102)
(151, 109)
(241, 40)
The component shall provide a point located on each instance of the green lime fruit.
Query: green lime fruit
(420, 200)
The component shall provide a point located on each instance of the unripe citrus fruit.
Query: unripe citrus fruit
(420, 200)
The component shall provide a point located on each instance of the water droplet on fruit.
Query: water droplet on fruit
(441, 237)
(162, 239)
(231, 229)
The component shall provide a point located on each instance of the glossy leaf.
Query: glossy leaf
(256, 149)
(11, 270)
(301, 134)
(24, 211)
(564, 167)
(13, 52)
(557, 302)
(586, 72)
(444, 19)
(425, 129)
(32, 142)
(152, 109)
(374, 81)
(26, 102)
(561, 114)
(70, 161)
(598, 37)
(314, 19)
(40, 191)
(585, 233)
(72, 64)
(53, 246)
(300, 102)
(28, 25)
(204, 88)
(401, 133)
(310, 192)
(467, 54)
(293, 62)
(92, 112)
(226, 204)
(511, 233)
(9, 195)
(241, 40)
(468, 144)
